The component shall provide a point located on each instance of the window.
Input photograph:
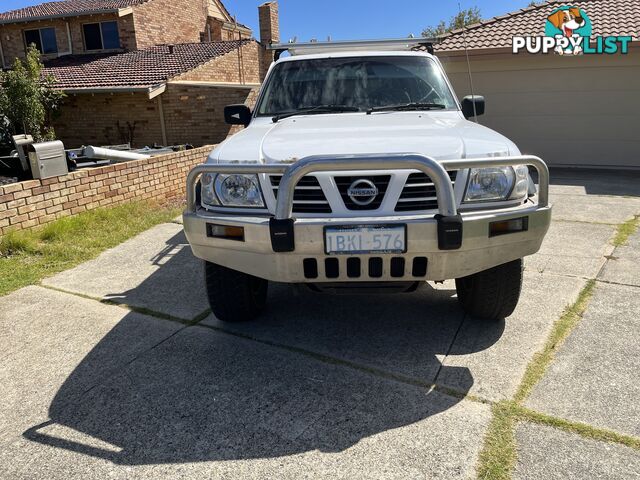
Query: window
(44, 39)
(101, 36)
(362, 82)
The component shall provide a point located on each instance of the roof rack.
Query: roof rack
(352, 45)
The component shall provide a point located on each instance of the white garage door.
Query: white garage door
(574, 111)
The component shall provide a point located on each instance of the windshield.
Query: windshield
(361, 82)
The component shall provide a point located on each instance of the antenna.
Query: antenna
(466, 51)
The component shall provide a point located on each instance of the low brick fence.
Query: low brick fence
(37, 202)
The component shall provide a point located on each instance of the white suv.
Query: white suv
(359, 171)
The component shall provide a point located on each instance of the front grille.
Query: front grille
(419, 193)
(308, 196)
(380, 181)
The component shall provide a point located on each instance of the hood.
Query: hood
(441, 135)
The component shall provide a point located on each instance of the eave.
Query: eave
(152, 91)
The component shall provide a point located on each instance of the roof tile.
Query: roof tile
(609, 17)
(66, 7)
(141, 68)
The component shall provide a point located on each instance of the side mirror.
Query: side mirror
(238, 114)
(468, 103)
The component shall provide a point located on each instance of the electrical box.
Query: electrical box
(47, 159)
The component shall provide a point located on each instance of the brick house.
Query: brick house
(143, 71)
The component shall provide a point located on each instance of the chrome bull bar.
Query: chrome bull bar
(448, 218)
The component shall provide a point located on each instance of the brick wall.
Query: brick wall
(92, 119)
(13, 43)
(38, 202)
(195, 114)
(169, 21)
(242, 65)
(223, 31)
(127, 32)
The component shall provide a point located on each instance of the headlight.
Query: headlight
(521, 188)
(486, 184)
(238, 190)
(208, 197)
(498, 183)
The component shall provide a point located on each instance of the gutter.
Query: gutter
(120, 11)
(69, 42)
(163, 124)
(458, 53)
(195, 83)
(152, 92)
(2, 64)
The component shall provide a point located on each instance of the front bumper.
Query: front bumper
(477, 250)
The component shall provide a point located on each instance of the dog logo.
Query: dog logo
(568, 32)
(571, 23)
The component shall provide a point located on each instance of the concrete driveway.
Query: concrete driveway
(116, 368)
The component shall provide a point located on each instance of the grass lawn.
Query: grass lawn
(28, 256)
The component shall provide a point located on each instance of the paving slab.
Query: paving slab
(204, 404)
(572, 248)
(594, 377)
(155, 270)
(545, 453)
(497, 366)
(405, 334)
(45, 340)
(624, 265)
(594, 208)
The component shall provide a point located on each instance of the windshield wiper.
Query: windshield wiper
(406, 106)
(317, 109)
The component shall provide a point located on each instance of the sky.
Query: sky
(349, 19)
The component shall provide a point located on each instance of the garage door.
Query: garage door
(571, 111)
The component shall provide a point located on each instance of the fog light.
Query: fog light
(505, 227)
(226, 232)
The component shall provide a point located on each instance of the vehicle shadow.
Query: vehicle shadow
(599, 182)
(315, 373)
(404, 334)
(175, 287)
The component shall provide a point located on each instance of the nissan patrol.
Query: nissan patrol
(359, 170)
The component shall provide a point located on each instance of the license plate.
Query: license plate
(365, 239)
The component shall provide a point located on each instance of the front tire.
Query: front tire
(234, 296)
(491, 294)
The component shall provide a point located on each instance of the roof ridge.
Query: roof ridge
(196, 43)
(150, 48)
